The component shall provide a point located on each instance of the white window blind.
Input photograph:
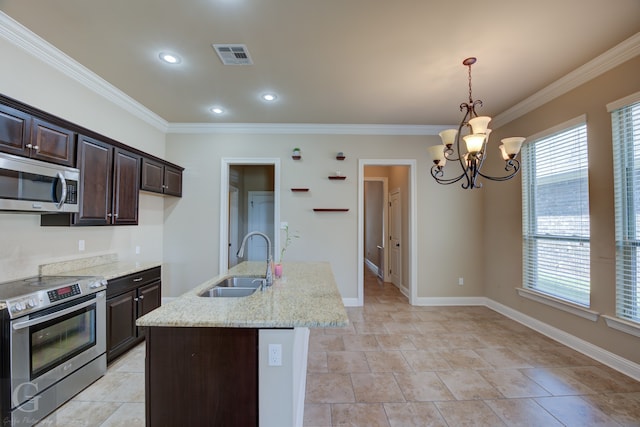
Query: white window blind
(555, 207)
(626, 166)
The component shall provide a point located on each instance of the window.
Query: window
(555, 206)
(626, 167)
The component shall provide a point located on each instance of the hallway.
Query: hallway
(399, 365)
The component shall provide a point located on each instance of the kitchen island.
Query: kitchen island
(208, 359)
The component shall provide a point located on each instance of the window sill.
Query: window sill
(622, 325)
(575, 309)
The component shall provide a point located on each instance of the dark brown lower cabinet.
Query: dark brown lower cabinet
(128, 298)
(201, 377)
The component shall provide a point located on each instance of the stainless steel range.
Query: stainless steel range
(53, 343)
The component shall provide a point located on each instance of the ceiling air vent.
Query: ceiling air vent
(233, 54)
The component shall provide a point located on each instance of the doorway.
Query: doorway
(400, 263)
(249, 201)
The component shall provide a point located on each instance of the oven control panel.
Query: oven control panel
(41, 299)
(63, 292)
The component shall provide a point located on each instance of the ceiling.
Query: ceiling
(329, 61)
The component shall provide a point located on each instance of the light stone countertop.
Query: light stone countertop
(112, 270)
(306, 296)
(107, 266)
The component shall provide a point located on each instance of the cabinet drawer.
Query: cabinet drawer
(132, 281)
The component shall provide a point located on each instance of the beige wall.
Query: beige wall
(503, 213)
(192, 225)
(24, 244)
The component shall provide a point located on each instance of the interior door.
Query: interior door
(260, 218)
(395, 233)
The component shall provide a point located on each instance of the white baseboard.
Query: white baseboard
(603, 356)
(351, 302)
(371, 266)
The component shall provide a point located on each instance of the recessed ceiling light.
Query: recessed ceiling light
(269, 97)
(170, 58)
(216, 110)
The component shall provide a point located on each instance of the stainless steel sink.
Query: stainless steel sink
(228, 292)
(240, 282)
(233, 287)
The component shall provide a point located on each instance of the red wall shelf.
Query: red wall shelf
(296, 157)
(299, 190)
(330, 210)
(340, 157)
(338, 177)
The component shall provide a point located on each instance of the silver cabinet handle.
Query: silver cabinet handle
(137, 279)
(35, 147)
(141, 296)
(29, 146)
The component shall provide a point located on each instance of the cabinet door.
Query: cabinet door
(52, 143)
(14, 131)
(125, 187)
(149, 298)
(121, 323)
(95, 160)
(172, 181)
(152, 179)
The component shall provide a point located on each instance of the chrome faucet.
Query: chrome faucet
(240, 254)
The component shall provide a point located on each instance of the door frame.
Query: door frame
(225, 163)
(413, 228)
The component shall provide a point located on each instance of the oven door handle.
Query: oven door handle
(45, 318)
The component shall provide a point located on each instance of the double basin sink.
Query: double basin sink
(234, 287)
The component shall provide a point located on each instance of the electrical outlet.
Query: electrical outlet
(284, 225)
(275, 354)
(137, 250)
(460, 281)
(80, 245)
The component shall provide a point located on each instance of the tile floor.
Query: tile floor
(398, 365)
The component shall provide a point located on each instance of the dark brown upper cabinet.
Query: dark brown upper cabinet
(160, 178)
(24, 135)
(109, 185)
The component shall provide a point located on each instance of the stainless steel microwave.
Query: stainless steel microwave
(29, 185)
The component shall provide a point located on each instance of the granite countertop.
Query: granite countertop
(306, 296)
(112, 270)
(107, 266)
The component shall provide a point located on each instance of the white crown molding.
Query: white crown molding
(628, 49)
(23, 38)
(306, 128)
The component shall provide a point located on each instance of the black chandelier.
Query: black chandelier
(476, 143)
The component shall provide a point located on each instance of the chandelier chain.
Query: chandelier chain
(470, 97)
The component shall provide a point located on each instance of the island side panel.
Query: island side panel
(201, 377)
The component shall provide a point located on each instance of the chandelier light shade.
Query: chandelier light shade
(476, 139)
